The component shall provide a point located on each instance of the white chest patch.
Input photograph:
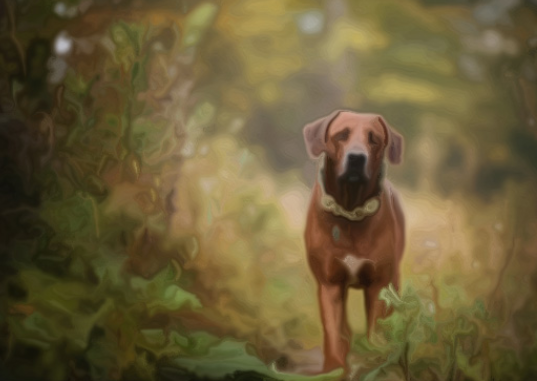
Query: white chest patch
(354, 265)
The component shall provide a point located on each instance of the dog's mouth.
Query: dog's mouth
(352, 189)
(354, 178)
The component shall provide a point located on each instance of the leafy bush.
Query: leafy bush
(152, 188)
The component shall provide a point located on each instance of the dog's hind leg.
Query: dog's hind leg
(375, 308)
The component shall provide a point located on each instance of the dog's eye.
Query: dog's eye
(342, 136)
(372, 139)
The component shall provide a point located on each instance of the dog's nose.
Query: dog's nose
(356, 161)
(355, 170)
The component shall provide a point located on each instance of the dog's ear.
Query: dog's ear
(315, 134)
(394, 143)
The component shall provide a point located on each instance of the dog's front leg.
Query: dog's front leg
(332, 298)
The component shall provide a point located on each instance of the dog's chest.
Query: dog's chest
(361, 241)
(359, 255)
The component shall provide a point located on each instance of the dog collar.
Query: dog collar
(328, 203)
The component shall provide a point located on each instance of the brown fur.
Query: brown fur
(342, 253)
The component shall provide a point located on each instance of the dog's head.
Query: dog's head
(355, 143)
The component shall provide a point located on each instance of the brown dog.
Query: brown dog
(355, 226)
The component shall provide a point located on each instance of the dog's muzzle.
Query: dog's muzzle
(355, 168)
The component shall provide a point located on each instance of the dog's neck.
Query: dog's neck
(352, 201)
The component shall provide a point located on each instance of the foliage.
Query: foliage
(153, 190)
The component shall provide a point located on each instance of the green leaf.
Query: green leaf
(174, 298)
(197, 22)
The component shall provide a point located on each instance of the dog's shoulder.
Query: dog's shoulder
(393, 198)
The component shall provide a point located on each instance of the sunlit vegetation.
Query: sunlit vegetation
(154, 185)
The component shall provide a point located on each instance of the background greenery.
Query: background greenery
(154, 185)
